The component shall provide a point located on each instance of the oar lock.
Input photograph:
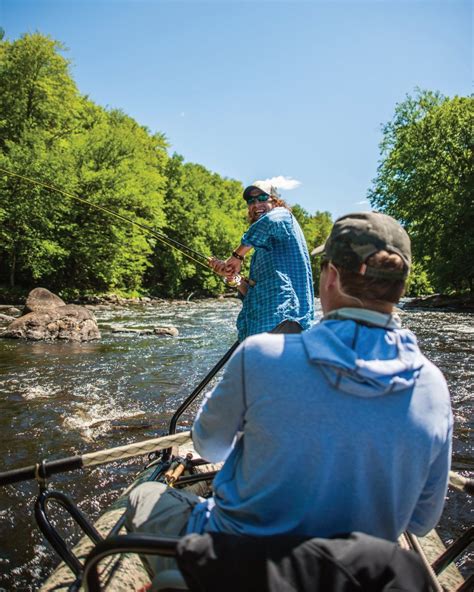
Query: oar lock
(40, 475)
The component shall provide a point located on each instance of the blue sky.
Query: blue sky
(256, 89)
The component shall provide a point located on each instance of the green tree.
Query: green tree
(204, 212)
(121, 167)
(50, 133)
(32, 218)
(316, 229)
(425, 180)
(39, 107)
(37, 91)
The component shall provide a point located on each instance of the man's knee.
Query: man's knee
(155, 508)
(141, 502)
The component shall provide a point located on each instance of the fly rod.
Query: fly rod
(187, 251)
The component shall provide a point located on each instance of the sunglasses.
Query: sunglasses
(261, 197)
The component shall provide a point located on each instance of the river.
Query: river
(61, 399)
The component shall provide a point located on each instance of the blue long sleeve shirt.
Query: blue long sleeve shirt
(281, 269)
(345, 427)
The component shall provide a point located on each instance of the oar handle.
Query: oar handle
(41, 470)
(45, 469)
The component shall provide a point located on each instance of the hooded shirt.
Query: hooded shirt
(345, 427)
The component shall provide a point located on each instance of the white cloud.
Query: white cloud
(364, 202)
(282, 182)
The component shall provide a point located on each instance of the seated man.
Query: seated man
(344, 427)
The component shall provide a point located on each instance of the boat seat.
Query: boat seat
(214, 562)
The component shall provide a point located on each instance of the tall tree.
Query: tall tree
(39, 107)
(37, 89)
(425, 180)
(316, 228)
(120, 166)
(205, 212)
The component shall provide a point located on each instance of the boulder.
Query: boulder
(47, 317)
(40, 300)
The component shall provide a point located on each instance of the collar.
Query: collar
(365, 316)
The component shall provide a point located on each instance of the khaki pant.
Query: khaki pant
(155, 508)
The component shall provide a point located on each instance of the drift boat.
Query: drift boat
(122, 570)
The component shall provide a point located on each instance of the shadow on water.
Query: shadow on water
(61, 399)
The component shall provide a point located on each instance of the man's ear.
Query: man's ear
(331, 278)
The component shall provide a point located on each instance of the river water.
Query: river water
(61, 399)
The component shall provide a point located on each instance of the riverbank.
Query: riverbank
(460, 303)
(451, 302)
(17, 298)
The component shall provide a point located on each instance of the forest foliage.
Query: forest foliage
(425, 180)
(51, 133)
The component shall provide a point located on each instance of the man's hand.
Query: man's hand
(218, 266)
(232, 266)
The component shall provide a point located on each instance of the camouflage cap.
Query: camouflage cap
(356, 237)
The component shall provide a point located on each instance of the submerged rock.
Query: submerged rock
(47, 317)
(9, 310)
(132, 330)
(6, 318)
(167, 331)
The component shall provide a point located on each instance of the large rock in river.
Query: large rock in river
(42, 300)
(46, 316)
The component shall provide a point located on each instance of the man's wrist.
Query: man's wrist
(237, 256)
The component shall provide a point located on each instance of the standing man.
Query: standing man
(280, 283)
(345, 427)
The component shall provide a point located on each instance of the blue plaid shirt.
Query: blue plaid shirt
(281, 269)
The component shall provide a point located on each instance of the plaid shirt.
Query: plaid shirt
(281, 269)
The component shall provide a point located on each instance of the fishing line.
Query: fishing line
(188, 252)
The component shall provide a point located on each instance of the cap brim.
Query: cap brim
(318, 250)
(250, 189)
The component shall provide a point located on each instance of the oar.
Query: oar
(47, 468)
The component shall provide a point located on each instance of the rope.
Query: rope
(188, 252)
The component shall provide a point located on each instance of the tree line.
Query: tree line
(49, 131)
(52, 133)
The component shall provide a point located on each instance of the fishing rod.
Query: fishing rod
(187, 251)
